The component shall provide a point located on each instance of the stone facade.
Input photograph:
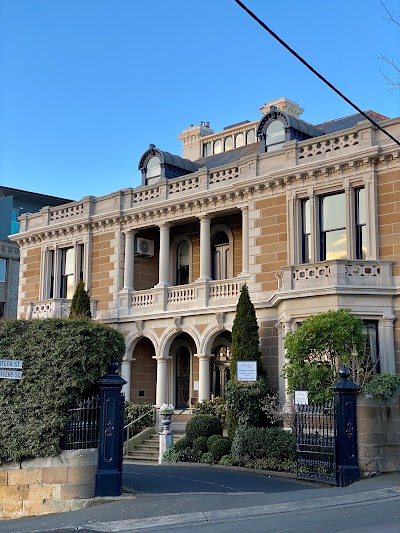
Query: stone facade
(48, 485)
(251, 213)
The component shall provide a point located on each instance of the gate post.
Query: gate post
(109, 470)
(347, 470)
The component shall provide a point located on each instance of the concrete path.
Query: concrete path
(175, 497)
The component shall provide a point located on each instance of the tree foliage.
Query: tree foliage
(61, 359)
(245, 339)
(320, 345)
(80, 306)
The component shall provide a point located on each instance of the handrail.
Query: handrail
(183, 410)
(127, 427)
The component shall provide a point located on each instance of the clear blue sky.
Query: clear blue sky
(87, 85)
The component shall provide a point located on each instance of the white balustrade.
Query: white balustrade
(307, 149)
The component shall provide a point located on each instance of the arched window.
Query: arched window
(228, 144)
(153, 170)
(206, 149)
(220, 248)
(218, 146)
(250, 137)
(182, 267)
(239, 140)
(275, 136)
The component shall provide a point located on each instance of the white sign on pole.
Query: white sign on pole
(247, 370)
(301, 397)
(10, 374)
(10, 363)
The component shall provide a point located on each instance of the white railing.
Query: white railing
(310, 149)
(336, 273)
(50, 309)
(181, 294)
(142, 298)
(225, 289)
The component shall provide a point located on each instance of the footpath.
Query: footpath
(149, 510)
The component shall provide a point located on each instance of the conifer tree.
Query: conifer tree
(245, 339)
(80, 306)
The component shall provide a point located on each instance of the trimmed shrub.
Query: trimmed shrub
(61, 359)
(245, 338)
(182, 444)
(276, 445)
(216, 407)
(170, 455)
(188, 455)
(243, 403)
(218, 446)
(203, 426)
(200, 445)
(382, 386)
(207, 458)
(80, 305)
(226, 460)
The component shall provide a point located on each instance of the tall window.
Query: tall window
(228, 143)
(81, 261)
(51, 273)
(305, 231)
(239, 140)
(361, 224)
(218, 146)
(333, 243)
(207, 149)
(153, 170)
(221, 256)
(67, 273)
(3, 269)
(182, 270)
(250, 137)
(275, 136)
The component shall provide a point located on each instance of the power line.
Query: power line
(302, 60)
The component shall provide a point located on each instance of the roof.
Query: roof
(226, 158)
(343, 123)
(8, 191)
(179, 162)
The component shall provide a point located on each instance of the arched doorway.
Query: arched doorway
(184, 372)
(182, 377)
(221, 372)
(143, 373)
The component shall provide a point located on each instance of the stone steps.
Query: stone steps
(148, 450)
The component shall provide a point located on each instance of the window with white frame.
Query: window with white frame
(333, 233)
(67, 273)
(361, 224)
(182, 267)
(305, 231)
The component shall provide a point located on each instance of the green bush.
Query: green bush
(216, 407)
(170, 455)
(245, 338)
(382, 386)
(263, 443)
(188, 455)
(80, 305)
(243, 403)
(61, 359)
(320, 345)
(218, 446)
(182, 444)
(207, 458)
(134, 411)
(203, 426)
(288, 465)
(226, 460)
(200, 445)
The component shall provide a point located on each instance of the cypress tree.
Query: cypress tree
(80, 306)
(245, 339)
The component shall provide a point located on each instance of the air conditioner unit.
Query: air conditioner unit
(144, 247)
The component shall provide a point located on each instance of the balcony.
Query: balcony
(169, 299)
(337, 273)
(54, 308)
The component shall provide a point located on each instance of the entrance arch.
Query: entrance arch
(183, 372)
(143, 373)
(221, 362)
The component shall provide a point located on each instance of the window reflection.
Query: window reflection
(239, 140)
(361, 225)
(228, 144)
(333, 227)
(250, 137)
(218, 146)
(275, 136)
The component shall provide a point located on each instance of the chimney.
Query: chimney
(285, 105)
(191, 140)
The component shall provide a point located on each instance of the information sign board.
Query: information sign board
(247, 371)
(301, 397)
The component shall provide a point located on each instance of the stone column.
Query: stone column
(162, 382)
(126, 375)
(204, 376)
(388, 361)
(163, 268)
(245, 240)
(313, 230)
(205, 248)
(350, 223)
(129, 258)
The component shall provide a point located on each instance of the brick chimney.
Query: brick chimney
(191, 140)
(285, 105)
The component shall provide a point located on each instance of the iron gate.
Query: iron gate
(315, 442)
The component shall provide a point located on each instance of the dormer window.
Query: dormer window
(275, 136)
(153, 170)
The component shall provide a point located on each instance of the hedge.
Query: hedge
(274, 444)
(203, 426)
(61, 359)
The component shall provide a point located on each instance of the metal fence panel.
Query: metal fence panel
(82, 430)
(315, 442)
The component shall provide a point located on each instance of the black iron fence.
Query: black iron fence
(315, 442)
(82, 429)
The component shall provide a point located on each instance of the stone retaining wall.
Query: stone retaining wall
(378, 423)
(48, 485)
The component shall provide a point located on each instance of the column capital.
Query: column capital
(206, 217)
(129, 232)
(245, 208)
(164, 225)
(203, 355)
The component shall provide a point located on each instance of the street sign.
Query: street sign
(10, 363)
(247, 371)
(10, 374)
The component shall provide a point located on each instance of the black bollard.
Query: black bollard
(109, 470)
(347, 469)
